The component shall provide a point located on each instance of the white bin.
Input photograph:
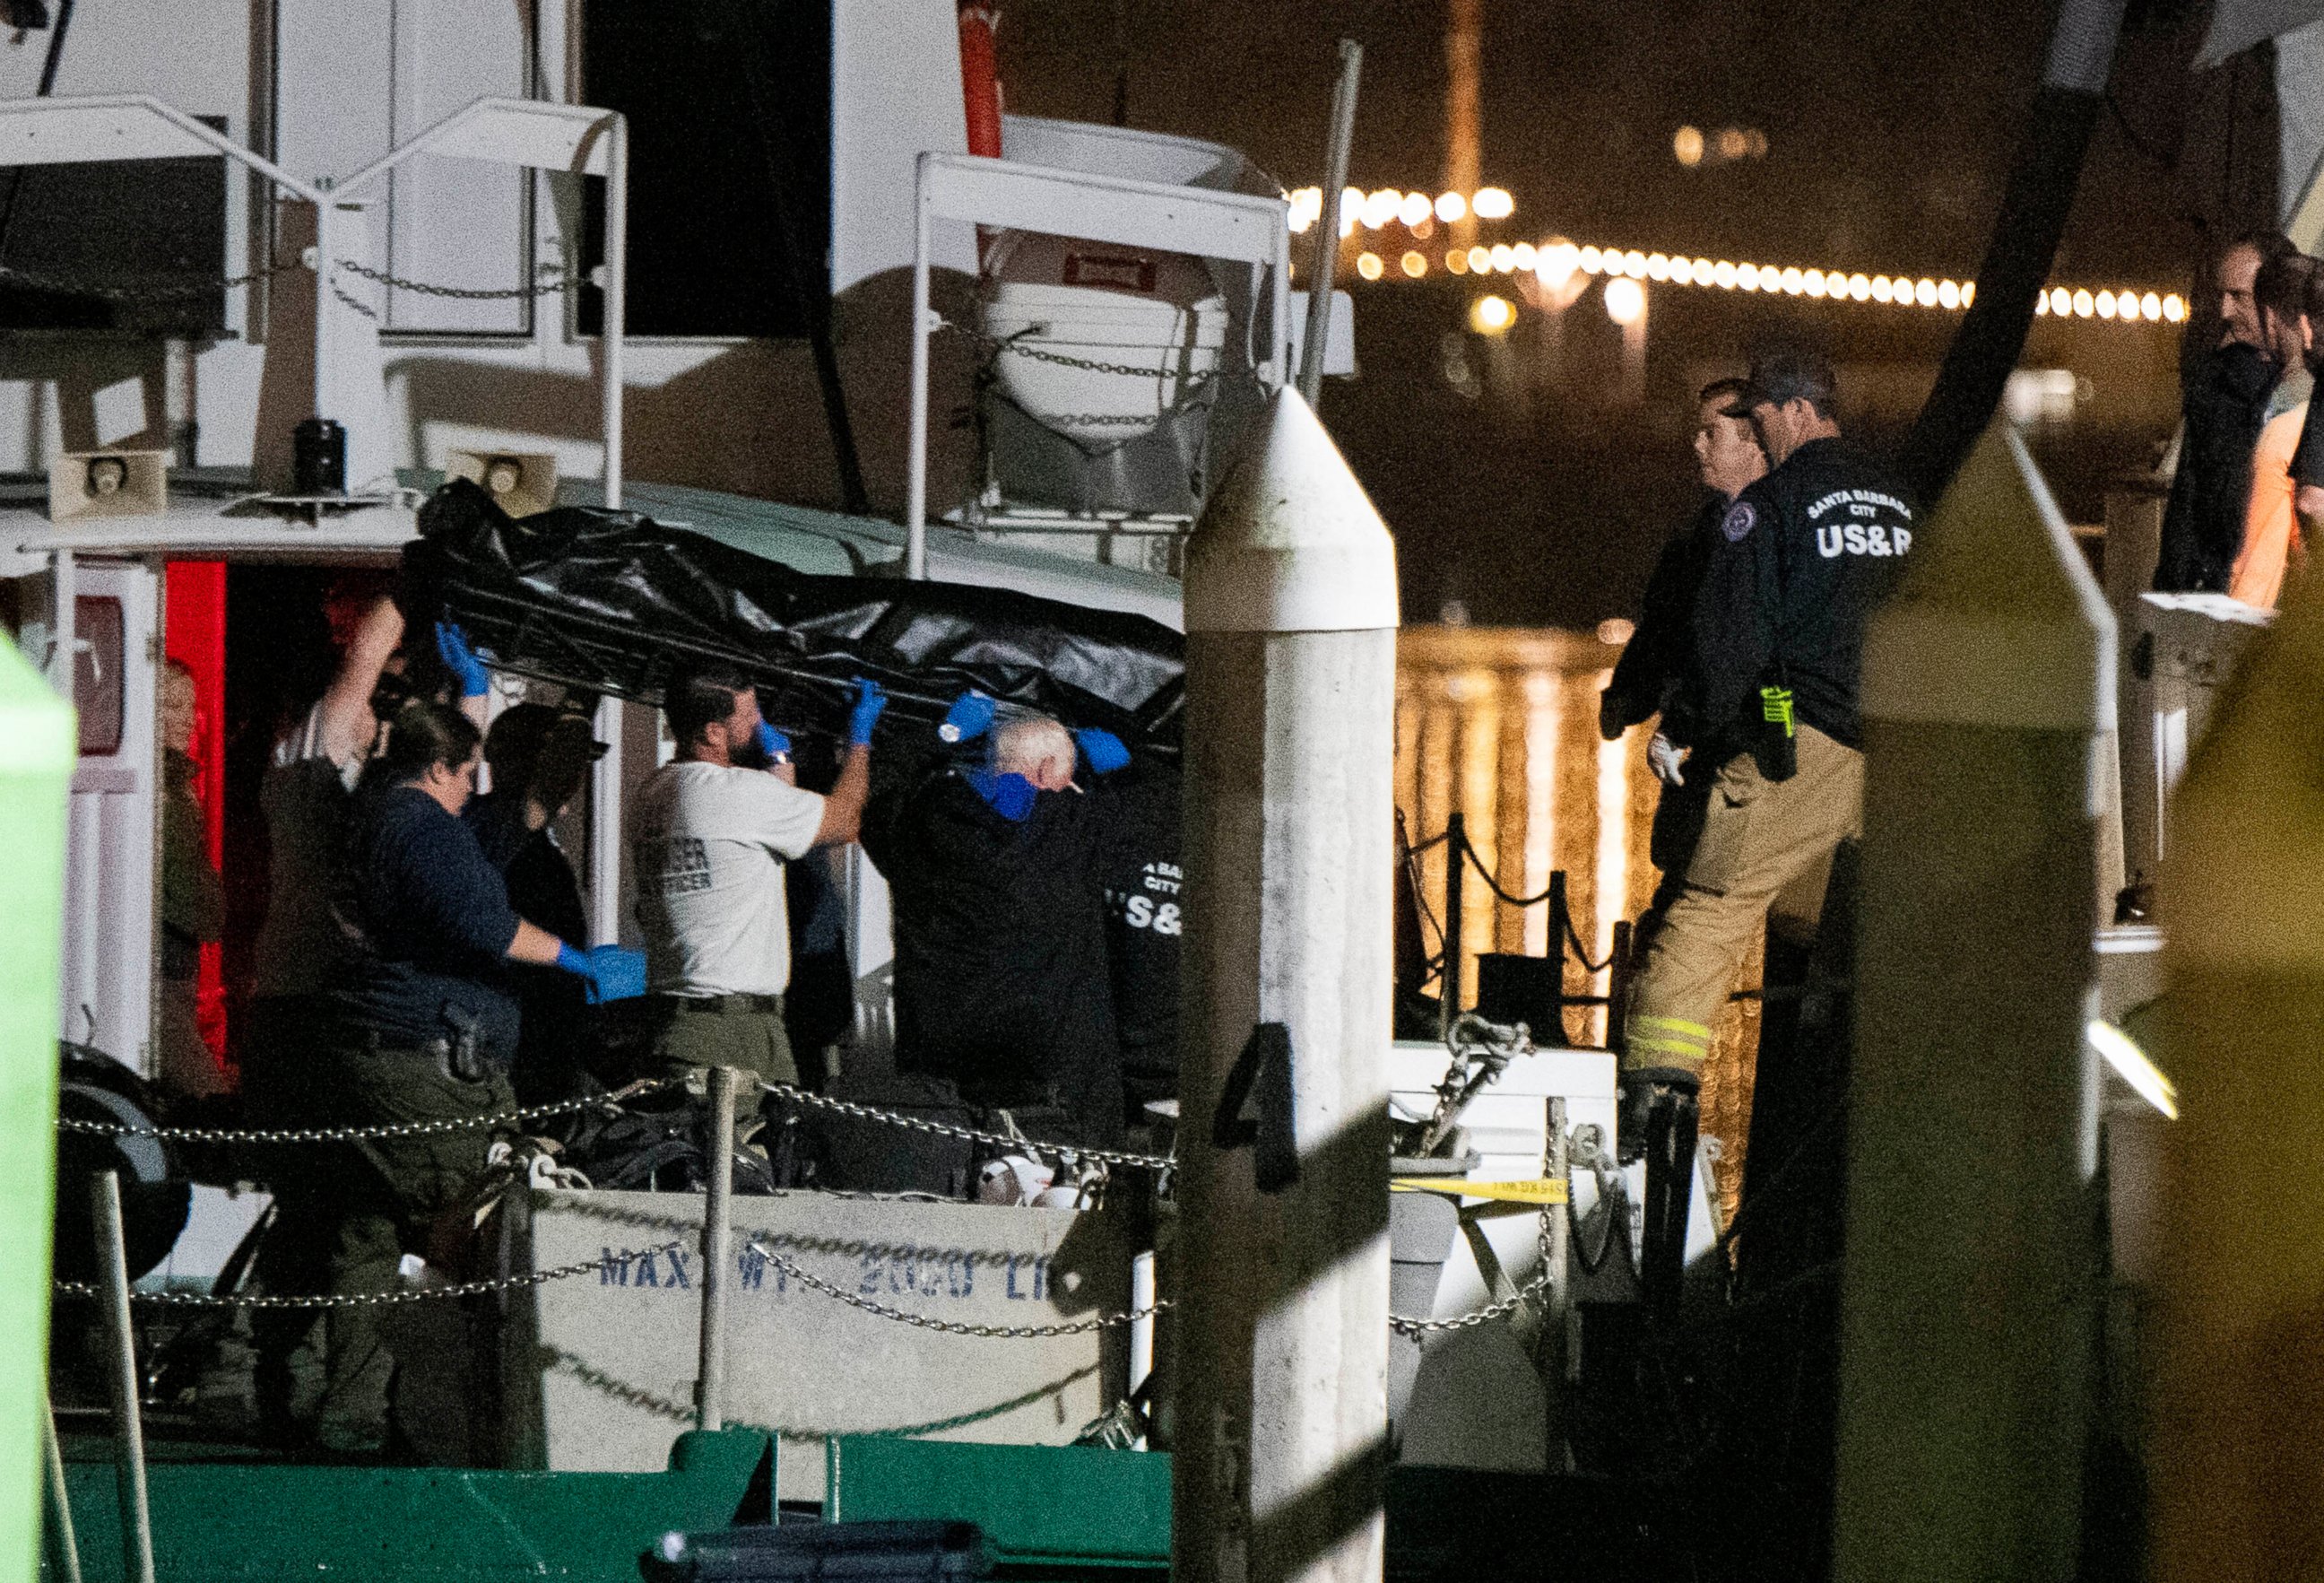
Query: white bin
(1096, 324)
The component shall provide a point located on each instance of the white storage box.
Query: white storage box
(1100, 326)
(601, 1369)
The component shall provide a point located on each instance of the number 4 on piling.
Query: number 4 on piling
(1259, 1084)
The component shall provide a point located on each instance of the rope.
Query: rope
(1493, 883)
(1434, 967)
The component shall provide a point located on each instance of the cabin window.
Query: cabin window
(135, 245)
(352, 81)
(729, 107)
(99, 683)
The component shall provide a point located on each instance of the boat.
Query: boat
(308, 320)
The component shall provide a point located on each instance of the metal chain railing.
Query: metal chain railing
(202, 1299)
(353, 304)
(400, 1129)
(412, 1129)
(1016, 345)
(545, 288)
(1405, 1325)
(183, 288)
(179, 291)
(955, 1327)
(969, 1134)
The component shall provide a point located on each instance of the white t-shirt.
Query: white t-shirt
(709, 842)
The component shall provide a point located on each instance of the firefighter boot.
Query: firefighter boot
(1670, 1133)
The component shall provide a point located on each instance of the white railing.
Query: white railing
(1237, 227)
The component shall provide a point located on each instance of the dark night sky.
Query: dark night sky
(1890, 126)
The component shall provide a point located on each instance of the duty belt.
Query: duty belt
(723, 1005)
(458, 1058)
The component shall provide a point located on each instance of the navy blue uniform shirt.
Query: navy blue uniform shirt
(1002, 977)
(1797, 565)
(430, 925)
(557, 1039)
(1650, 678)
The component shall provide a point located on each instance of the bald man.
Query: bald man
(998, 864)
(2227, 388)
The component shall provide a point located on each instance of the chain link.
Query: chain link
(1093, 420)
(402, 1129)
(969, 1134)
(1523, 1295)
(1475, 1317)
(958, 1327)
(1410, 1327)
(207, 285)
(786, 1091)
(40, 281)
(342, 1298)
(354, 304)
(1018, 347)
(991, 345)
(459, 293)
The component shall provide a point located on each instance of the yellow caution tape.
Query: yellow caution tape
(1538, 1191)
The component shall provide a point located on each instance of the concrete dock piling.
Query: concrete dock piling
(1968, 1288)
(1291, 616)
(2236, 1455)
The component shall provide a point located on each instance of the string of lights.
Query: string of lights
(1556, 262)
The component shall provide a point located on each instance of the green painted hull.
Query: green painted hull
(36, 760)
(219, 1522)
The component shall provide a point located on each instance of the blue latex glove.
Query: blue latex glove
(868, 701)
(620, 974)
(773, 742)
(970, 717)
(460, 660)
(1104, 750)
(1010, 796)
(576, 962)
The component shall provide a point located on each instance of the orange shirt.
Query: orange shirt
(2271, 530)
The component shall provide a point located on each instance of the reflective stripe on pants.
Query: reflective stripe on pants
(1764, 857)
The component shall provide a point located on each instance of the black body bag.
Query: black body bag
(615, 602)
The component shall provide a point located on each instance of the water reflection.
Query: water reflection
(1501, 724)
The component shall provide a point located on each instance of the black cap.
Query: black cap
(519, 732)
(1788, 374)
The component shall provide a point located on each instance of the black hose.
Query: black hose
(2043, 183)
(811, 303)
(55, 54)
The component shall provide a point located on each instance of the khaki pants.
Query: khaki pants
(382, 1198)
(1764, 857)
(730, 1031)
